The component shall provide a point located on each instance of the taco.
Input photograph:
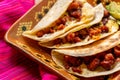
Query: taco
(97, 59)
(102, 26)
(64, 15)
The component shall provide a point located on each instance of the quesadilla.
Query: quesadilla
(63, 16)
(97, 59)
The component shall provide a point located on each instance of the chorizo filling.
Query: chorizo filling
(105, 60)
(73, 13)
(92, 31)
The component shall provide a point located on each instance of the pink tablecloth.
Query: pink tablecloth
(14, 65)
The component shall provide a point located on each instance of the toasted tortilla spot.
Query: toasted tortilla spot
(113, 40)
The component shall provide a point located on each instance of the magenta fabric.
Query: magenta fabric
(13, 64)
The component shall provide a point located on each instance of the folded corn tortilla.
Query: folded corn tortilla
(89, 50)
(59, 9)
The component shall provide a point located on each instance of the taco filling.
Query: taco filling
(73, 13)
(105, 60)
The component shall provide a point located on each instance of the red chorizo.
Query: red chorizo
(92, 32)
(116, 51)
(52, 30)
(80, 4)
(76, 33)
(77, 39)
(104, 21)
(75, 14)
(101, 55)
(82, 33)
(107, 64)
(57, 41)
(74, 61)
(73, 5)
(59, 21)
(47, 30)
(67, 60)
(109, 57)
(70, 37)
(77, 69)
(60, 27)
(88, 59)
(67, 66)
(40, 33)
(104, 29)
(65, 19)
(97, 31)
(94, 64)
(64, 40)
(106, 13)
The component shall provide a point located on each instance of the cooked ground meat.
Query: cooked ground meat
(94, 64)
(106, 13)
(77, 69)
